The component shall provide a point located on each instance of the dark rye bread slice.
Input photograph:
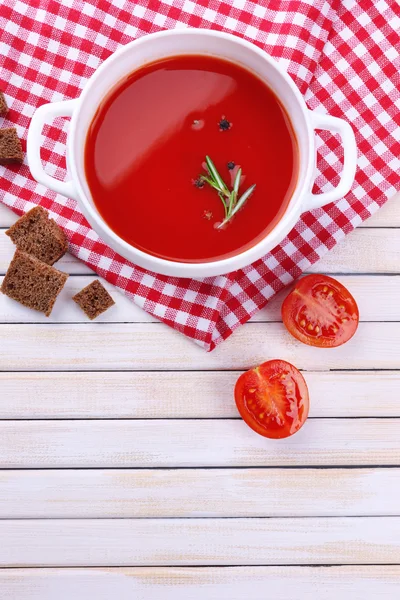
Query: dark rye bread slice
(33, 283)
(3, 105)
(38, 235)
(94, 299)
(10, 147)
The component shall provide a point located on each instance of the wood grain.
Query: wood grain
(178, 583)
(148, 346)
(55, 494)
(367, 289)
(194, 443)
(362, 251)
(120, 516)
(192, 542)
(7, 216)
(207, 394)
(387, 216)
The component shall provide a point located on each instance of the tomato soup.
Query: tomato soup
(145, 154)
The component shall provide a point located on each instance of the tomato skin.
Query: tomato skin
(320, 311)
(273, 399)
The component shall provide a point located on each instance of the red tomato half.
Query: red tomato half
(273, 399)
(320, 311)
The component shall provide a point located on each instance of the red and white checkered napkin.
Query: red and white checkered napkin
(344, 57)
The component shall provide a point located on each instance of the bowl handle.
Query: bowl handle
(43, 115)
(320, 121)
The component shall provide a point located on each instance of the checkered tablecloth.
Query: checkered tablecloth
(343, 56)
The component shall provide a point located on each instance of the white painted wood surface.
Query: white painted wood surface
(210, 583)
(182, 395)
(198, 542)
(366, 288)
(194, 443)
(150, 346)
(121, 448)
(154, 493)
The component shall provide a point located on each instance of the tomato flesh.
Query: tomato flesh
(320, 311)
(273, 399)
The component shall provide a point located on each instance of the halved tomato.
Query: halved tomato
(273, 399)
(320, 311)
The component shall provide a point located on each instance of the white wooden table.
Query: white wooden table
(126, 473)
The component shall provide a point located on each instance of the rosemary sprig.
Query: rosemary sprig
(230, 198)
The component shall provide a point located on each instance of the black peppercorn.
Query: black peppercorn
(198, 183)
(224, 124)
(230, 165)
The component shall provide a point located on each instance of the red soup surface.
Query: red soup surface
(147, 145)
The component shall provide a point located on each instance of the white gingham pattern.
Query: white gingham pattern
(344, 57)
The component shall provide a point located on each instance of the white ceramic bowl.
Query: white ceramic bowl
(173, 43)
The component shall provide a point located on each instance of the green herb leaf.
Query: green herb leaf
(210, 182)
(215, 175)
(232, 201)
(228, 198)
(243, 199)
(236, 183)
(225, 202)
(238, 206)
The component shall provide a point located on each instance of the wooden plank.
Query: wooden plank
(191, 542)
(148, 346)
(387, 216)
(116, 493)
(68, 263)
(377, 298)
(363, 251)
(367, 289)
(189, 395)
(7, 217)
(210, 583)
(194, 443)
